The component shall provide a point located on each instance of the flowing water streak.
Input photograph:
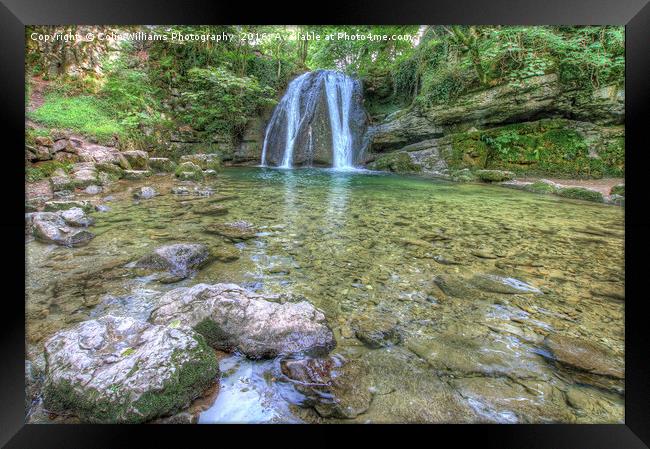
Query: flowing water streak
(339, 98)
(293, 117)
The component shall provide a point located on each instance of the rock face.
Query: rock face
(334, 387)
(50, 227)
(180, 259)
(120, 370)
(542, 96)
(305, 110)
(230, 318)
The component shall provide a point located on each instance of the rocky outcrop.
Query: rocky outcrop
(233, 318)
(541, 97)
(120, 370)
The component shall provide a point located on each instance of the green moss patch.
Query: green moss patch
(395, 162)
(579, 193)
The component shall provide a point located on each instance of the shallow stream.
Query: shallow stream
(474, 276)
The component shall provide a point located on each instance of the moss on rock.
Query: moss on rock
(579, 193)
(399, 162)
(494, 175)
(540, 187)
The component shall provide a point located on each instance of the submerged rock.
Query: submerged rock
(584, 355)
(145, 193)
(179, 259)
(121, 370)
(492, 283)
(50, 227)
(209, 209)
(236, 231)
(377, 331)
(233, 318)
(334, 387)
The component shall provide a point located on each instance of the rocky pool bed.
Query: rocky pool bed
(313, 295)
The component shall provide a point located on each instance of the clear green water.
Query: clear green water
(368, 246)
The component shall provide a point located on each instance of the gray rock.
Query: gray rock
(77, 217)
(180, 259)
(93, 190)
(51, 228)
(145, 193)
(121, 370)
(233, 318)
(61, 183)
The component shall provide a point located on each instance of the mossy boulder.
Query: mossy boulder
(189, 171)
(494, 175)
(122, 370)
(579, 193)
(115, 171)
(399, 162)
(541, 187)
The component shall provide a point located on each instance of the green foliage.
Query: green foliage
(544, 147)
(220, 102)
(45, 169)
(85, 114)
(618, 189)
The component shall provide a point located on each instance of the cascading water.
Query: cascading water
(339, 97)
(319, 121)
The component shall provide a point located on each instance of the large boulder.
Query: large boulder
(233, 318)
(121, 370)
(50, 227)
(180, 260)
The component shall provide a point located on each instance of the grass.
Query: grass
(84, 114)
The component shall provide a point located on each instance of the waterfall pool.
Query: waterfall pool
(475, 279)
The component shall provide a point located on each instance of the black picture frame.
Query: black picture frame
(634, 14)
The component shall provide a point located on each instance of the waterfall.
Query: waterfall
(339, 97)
(319, 121)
